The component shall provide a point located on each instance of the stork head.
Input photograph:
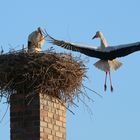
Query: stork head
(39, 30)
(97, 35)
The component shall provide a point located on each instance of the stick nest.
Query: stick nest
(58, 75)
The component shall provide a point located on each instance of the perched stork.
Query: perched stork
(105, 53)
(35, 41)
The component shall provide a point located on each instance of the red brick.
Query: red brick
(43, 119)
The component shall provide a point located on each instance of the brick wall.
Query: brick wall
(42, 119)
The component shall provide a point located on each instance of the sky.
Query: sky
(114, 116)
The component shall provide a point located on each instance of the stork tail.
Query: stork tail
(108, 65)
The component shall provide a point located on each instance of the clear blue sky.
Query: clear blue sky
(117, 115)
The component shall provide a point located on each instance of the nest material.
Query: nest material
(58, 75)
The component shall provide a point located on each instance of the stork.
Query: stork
(35, 41)
(107, 54)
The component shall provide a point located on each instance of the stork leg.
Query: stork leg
(105, 87)
(111, 87)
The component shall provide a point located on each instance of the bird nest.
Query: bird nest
(58, 75)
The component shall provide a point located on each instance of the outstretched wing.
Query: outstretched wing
(107, 53)
(91, 51)
(123, 50)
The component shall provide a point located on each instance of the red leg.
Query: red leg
(111, 87)
(105, 87)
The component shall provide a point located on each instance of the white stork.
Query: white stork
(105, 53)
(35, 40)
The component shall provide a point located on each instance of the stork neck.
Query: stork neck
(103, 42)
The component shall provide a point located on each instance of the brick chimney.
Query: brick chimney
(44, 118)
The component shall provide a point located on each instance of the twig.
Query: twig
(4, 113)
(93, 91)
(88, 108)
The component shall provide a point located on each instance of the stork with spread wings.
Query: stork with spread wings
(107, 54)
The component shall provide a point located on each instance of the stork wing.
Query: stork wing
(91, 51)
(107, 53)
(122, 50)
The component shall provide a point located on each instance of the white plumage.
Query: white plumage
(35, 41)
(106, 65)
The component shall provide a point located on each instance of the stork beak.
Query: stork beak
(94, 37)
